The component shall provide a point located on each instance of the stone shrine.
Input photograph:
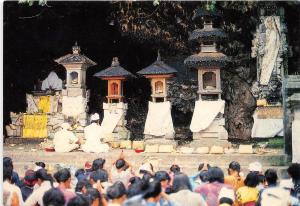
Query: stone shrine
(269, 48)
(208, 122)
(115, 109)
(75, 96)
(292, 117)
(159, 125)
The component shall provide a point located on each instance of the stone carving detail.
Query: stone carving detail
(269, 46)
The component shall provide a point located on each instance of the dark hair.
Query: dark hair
(29, 178)
(154, 189)
(7, 162)
(261, 177)
(116, 191)
(53, 197)
(226, 200)
(161, 176)
(78, 200)
(40, 164)
(134, 180)
(92, 194)
(99, 175)
(175, 169)
(235, 166)
(98, 164)
(204, 176)
(80, 174)
(81, 184)
(294, 171)
(147, 176)
(251, 179)
(120, 163)
(43, 175)
(181, 182)
(7, 173)
(62, 175)
(202, 165)
(215, 174)
(271, 176)
(136, 189)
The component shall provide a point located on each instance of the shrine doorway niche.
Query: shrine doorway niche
(74, 78)
(209, 81)
(114, 88)
(159, 87)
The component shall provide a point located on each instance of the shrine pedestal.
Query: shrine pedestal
(114, 121)
(159, 125)
(214, 135)
(208, 124)
(152, 140)
(268, 122)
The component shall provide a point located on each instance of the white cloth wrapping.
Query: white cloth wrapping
(204, 114)
(266, 128)
(93, 135)
(296, 141)
(73, 106)
(110, 120)
(159, 120)
(31, 104)
(64, 141)
(52, 81)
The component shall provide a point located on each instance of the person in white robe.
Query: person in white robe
(64, 140)
(93, 135)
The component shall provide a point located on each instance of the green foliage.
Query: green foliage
(211, 6)
(276, 143)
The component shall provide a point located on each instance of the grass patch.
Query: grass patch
(276, 143)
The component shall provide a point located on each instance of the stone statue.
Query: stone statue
(269, 45)
(271, 48)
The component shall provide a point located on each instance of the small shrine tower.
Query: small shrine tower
(158, 73)
(115, 75)
(75, 96)
(208, 61)
(208, 122)
(76, 65)
(115, 109)
(159, 125)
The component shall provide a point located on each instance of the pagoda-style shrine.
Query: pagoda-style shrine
(115, 109)
(159, 122)
(75, 95)
(208, 122)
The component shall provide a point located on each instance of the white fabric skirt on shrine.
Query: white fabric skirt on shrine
(159, 120)
(204, 114)
(111, 119)
(266, 128)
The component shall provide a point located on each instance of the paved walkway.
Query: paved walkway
(24, 157)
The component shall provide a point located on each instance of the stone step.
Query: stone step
(26, 158)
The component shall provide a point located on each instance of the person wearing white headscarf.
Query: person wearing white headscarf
(93, 135)
(64, 140)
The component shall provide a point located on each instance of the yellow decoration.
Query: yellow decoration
(44, 104)
(35, 126)
(261, 102)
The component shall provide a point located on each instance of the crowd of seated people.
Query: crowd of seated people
(96, 184)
